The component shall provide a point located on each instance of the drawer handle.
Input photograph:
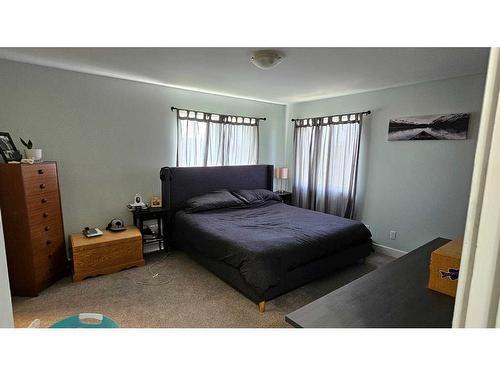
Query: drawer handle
(45, 214)
(48, 242)
(40, 171)
(44, 200)
(50, 256)
(47, 228)
(42, 186)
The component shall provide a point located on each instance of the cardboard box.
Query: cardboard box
(444, 268)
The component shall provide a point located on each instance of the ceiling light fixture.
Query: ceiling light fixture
(266, 59)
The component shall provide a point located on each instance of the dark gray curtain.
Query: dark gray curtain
(326, 163)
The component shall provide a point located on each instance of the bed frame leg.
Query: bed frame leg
(262, 306)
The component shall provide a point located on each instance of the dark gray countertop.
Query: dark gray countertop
(393, 296)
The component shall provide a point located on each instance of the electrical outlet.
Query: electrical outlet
(393, 234)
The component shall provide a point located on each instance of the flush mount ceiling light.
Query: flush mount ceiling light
(266, 59)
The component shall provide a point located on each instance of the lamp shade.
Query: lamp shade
(282, 173)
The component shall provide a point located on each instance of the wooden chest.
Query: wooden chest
(111, 252)
(33, 226)
(444, 268)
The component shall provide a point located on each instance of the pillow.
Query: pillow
(256, 196)
(213, 200)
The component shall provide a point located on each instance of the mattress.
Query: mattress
(265, 242)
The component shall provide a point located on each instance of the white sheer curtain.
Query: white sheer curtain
(191, 142)
(205, 139)
(326, 158)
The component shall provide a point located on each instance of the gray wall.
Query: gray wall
(110, 137)
(418, 188)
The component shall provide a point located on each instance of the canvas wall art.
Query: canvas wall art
(429, 127)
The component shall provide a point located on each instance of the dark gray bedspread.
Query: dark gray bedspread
(266, 241)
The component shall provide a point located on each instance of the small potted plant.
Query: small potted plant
(31, 153)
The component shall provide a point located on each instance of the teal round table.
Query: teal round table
(86, 320)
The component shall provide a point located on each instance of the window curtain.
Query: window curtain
(207, 139)
(326, 160)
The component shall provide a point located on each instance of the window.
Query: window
(207, 139)
(326, 159)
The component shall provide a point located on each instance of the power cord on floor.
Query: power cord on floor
(154, 274)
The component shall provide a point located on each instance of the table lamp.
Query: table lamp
(281, 173)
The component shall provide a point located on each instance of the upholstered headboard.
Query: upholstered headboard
(181, 183)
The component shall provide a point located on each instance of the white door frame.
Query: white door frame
(478, 293)
(6, 316)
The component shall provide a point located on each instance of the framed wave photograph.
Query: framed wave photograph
(8, 149)
(429, 127)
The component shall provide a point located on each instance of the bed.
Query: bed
(265, 249)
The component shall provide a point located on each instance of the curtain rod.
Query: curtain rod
(365, 113)
(183, 109)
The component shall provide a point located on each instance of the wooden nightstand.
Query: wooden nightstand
(102, 255)
(286, 196)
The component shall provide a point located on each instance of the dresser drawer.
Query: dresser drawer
(41, 201)
(50, 232)
(39, 178)
(51, 211)
(49, 257)
(47, 239)
(37, 172)
(50, 264)
(40, 185)
(48, 244)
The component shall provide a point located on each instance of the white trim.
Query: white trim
(382, 249)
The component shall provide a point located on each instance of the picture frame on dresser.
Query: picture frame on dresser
(8, 149)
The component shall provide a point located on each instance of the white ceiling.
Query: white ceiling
(305, 74)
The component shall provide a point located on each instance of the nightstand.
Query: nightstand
(286, 196)
(153, 213)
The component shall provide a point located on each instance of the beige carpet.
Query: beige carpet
(184, 294)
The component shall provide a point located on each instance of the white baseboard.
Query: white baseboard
(382, 249)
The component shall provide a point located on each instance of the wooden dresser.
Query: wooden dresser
(33, 227)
